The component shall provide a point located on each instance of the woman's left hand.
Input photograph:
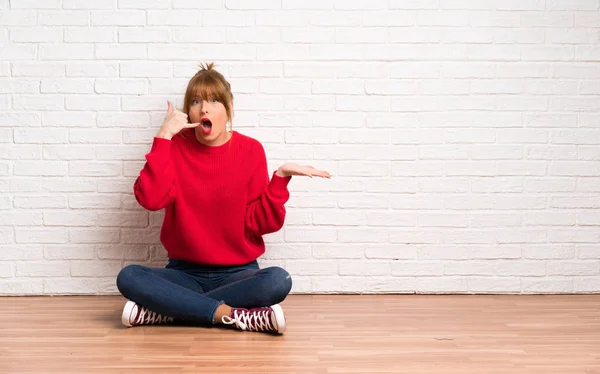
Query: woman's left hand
(288, 169)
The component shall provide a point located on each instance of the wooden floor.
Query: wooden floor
(326, 334)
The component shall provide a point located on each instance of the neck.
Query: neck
(222, 139)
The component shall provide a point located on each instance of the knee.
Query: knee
(280, 282)
(126, 277)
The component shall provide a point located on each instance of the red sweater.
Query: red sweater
(218, 200)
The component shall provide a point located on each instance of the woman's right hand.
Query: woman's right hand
(174, 122)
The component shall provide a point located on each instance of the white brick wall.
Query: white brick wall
(463, 136)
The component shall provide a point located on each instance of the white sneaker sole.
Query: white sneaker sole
(127, 310)
(279, 318)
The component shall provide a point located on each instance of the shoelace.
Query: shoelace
(251, 321)
(147, 317)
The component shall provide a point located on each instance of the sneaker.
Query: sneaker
(267, 319)
(135, 315)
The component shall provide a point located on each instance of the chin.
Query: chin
(214, 135)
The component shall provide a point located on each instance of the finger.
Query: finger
(170, 107)
(192, 125)
(322, 173)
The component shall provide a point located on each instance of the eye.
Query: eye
(213, 100)
(195, 102)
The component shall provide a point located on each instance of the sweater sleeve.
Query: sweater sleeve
(265, 212)
(155, 188)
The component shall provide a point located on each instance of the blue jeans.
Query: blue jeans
(193, 292)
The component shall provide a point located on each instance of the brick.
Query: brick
(420, 268)
(62, 218)
(588, 251)
(307, 4)
(118, 18)
(307, 235)
(69, 252)
(500, 202)
(546, 19)
(312, 267)
(574, 235)
(520, 268)
(69, 286)
(575, 168)
(121, 86)
(586, 285)
(38, 102)
(94, 236)
(270, 86)
(547, 285)
(120, 51)
(20, 152)
(37, 35)
(40, 168)
(38, 69)
(67, 86)
(95, 268)
(145, 4)
(494, 285)
(41, 236)
(143, 35)
(68, 185)
(548, 219)
(362, 235)
(140, 236)
(549, 252)
(63, 18)
(19, 185)
(92, 69)
(360, 5)
(21, 218)
(573, 268)
(573, 5)
(17, 18)
(103, 169)
(441, 285)
(90, 35)
(21, 287)
(20, 252)
(135, 252)
(127, 120)
(57, 51)
(83, 4)
(85, 136)
(98, 201)
(586, 19)
(364, 268)
(40, 202)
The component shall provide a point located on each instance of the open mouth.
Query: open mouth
(206, 126)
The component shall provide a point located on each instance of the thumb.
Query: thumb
(170, 107)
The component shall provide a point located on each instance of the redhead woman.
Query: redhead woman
(219, 201)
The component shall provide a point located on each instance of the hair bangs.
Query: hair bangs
(207, 87)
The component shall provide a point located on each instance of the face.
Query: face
(212, 116)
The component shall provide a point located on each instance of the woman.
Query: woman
(214, 185)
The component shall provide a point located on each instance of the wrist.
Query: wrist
(279, 173)
(164, 134)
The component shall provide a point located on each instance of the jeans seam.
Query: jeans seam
(229, 284)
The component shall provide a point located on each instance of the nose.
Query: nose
(204, 108)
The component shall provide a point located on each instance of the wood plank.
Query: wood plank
(326, 334)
